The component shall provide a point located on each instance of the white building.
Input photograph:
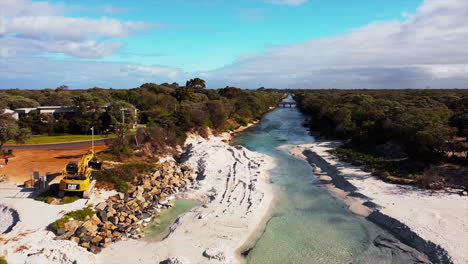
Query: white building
(47, 110)
(12, 113)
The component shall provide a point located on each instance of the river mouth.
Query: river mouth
(308, 224)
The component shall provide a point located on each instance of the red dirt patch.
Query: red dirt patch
(46, 160)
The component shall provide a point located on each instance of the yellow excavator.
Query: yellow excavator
(78, 177)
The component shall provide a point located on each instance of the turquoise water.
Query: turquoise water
(308, 225)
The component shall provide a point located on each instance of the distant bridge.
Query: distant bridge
(284, 104)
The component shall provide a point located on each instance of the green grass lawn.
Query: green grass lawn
(59, 139)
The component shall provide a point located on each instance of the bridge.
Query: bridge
(284, 104)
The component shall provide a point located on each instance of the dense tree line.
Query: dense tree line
(167, 111)
(421, 125)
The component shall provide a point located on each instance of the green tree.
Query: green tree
(23, 135)
(8, 128)
(197, 83)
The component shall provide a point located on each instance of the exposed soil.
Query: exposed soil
(46, 159)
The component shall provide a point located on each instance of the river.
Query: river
(308, 225)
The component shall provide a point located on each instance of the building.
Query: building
(47, 110)
(13, 113)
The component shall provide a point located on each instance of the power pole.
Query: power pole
(92, 137)
(123, 114)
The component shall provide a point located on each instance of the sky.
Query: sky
(244, 43)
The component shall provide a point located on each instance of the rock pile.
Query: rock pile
(124, 215)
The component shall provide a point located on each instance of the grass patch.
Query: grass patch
(60, 139)
(79, 215)
(121, 176)
(50, 197)
(390, 169)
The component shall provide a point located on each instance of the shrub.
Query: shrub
(124, 174)
(3, 260)
(79, 215)
(49, 197)
(69, 199)
(242, 121)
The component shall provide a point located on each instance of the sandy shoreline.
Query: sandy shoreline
(417, 217)
(232, 184)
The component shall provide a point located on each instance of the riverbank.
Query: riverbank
(435, 223)
(232, 184)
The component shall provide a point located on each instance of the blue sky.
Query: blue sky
(249, 43)
(209, 34)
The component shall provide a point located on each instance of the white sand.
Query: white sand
(439, 217)
(29, 241)
(236, 196)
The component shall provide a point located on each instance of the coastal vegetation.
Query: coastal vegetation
(160, 114)
(397, 134)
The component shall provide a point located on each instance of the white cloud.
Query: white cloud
(86, 49)
(429, 47)
(286, 2)
(14, 8)
(70, 28)
(139, 70)
(40, 27)
(23, 73)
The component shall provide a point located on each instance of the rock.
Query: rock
(72, 226)
(96, 239)
(101, 206)
(95, 220)
(86, 238)
(89, 226)
(121, 196)
(75, 239)
(85, 245)
(175, 260)
(102, 215)
(147, 184)
(61, 231)
(214, 253)
(95, 249)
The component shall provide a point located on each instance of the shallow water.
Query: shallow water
(309, 225)
(159, 227)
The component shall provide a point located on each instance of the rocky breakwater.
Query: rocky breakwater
(124, 215)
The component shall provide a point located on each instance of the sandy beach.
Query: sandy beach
(438, 217)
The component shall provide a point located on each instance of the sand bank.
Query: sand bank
(28, 241)
(236, 195)
(417, 217)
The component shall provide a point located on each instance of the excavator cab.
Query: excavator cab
(72, 168)
(78, 177)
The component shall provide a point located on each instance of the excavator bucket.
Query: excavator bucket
(96, 165)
